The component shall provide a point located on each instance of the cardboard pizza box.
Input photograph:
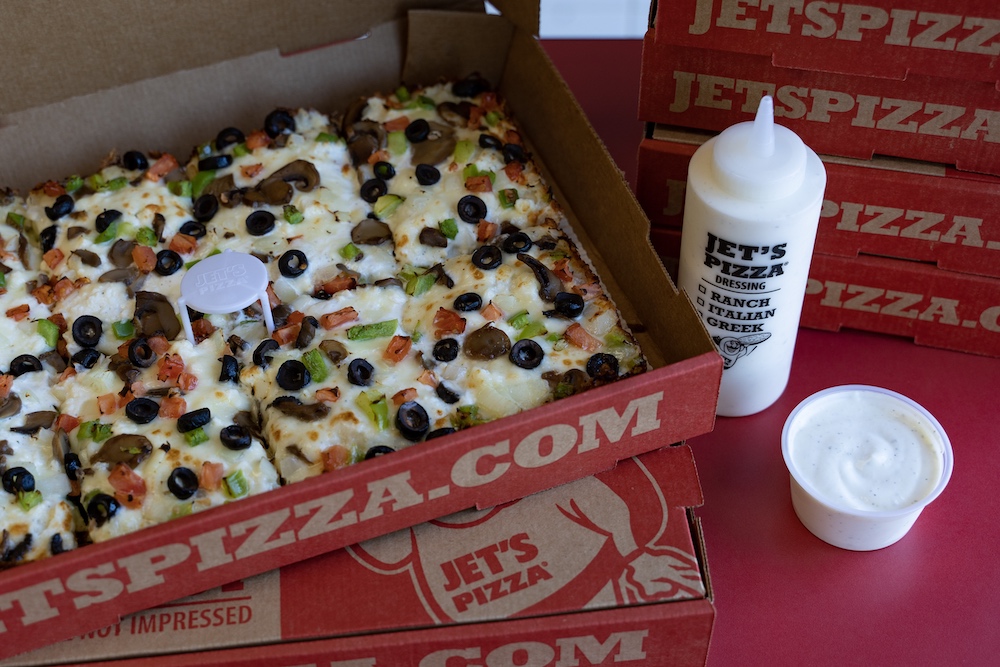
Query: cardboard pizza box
(606, 570)
(885, 207)
(887, 39)
(921, 117)
(88, 78)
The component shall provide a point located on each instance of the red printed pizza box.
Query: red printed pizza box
(934, 307)
(191, 85)
(881, 38)
(921, 118)
(605, 570)
(886, 207)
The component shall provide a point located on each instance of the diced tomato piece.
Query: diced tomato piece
(125, 399)
(66, 423)
(286, 334)
(447, 322)
(397, 349)
(476, 114)
(43, 294)
(338, 318)
(258, 139)
(170, 367)
(164, 164)
(479, 183)
(561, 269)
(515, 172)
(580, 337)
(123, 349)
(338, 283)
(427, 378)
(488, 101)
(107, 403)
(63, 288)
(328, 394)
(210, 477)
(172, 407)
(53, 257)
(159, 344)
(486, 230)
(68, 373)
(587, 290)
(396, 124)
(272, 299)
(491, 312)
(404, 395)
(378, 156)
(18, 313)
(144, 257)
(295, 317)
(183, 244)
(187, 381)
(336, 457)
(6, 382)
(512, 137)
(202, 329)
(251, 170)
(130, 488)
(137, 388)
(59, 320)
(53, 188)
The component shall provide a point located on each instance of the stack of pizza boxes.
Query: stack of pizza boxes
(900, 98)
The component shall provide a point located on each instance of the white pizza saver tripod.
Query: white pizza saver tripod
(224, 283)
(751, 212)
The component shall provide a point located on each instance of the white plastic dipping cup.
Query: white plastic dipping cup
(864, 462)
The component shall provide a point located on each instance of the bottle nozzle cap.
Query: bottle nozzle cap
(759, 160)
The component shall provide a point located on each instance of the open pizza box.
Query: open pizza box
(605, 570)
(82, 80)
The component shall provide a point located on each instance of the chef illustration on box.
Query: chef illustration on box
(572, 545)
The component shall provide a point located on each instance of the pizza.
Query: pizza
(421, 279)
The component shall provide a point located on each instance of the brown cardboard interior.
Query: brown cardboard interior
(174, 111)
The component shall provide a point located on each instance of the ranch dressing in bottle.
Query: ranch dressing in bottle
(751, 211)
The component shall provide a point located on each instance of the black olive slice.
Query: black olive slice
(235, 437)
(293, 263)
(87, 330)
(440, 432)
(603, 367)
(516, 242)
(372, 189)
(168, 262)
(377, 451)
(87, 357)
(194, 229)
(487, 257)
(142, 410)
(569, 304)
(135, 161)
(260, 223)
(360, 372)
(183, 482)
(261, 355)
(72, 466)
(447, 394)
(230, 369)
(278, 121)
(213, 162)
(293, 375)
(205, 207)
(189, 421)
(486, 343)
(140, 353)
(427, 174)
(101, 508)
(24, 363)
(526, 354)
(417, 131)
(470, 86)
(514, 153)
(446, 349)
(468, 302)
(548, 282)
(412, 421)
(63, 205)
(18, 480)
(384, 170)
(229, 136)
(489, 141)
(471, 209)
(105, 218)
(47, 237)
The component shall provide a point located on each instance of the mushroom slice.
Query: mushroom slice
(36, 421)
(128, 448)
(10, 405)
(306, 412)
(154, 314)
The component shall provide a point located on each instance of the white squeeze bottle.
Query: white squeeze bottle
(751, 211)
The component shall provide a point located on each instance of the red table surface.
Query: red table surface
(783, 596)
